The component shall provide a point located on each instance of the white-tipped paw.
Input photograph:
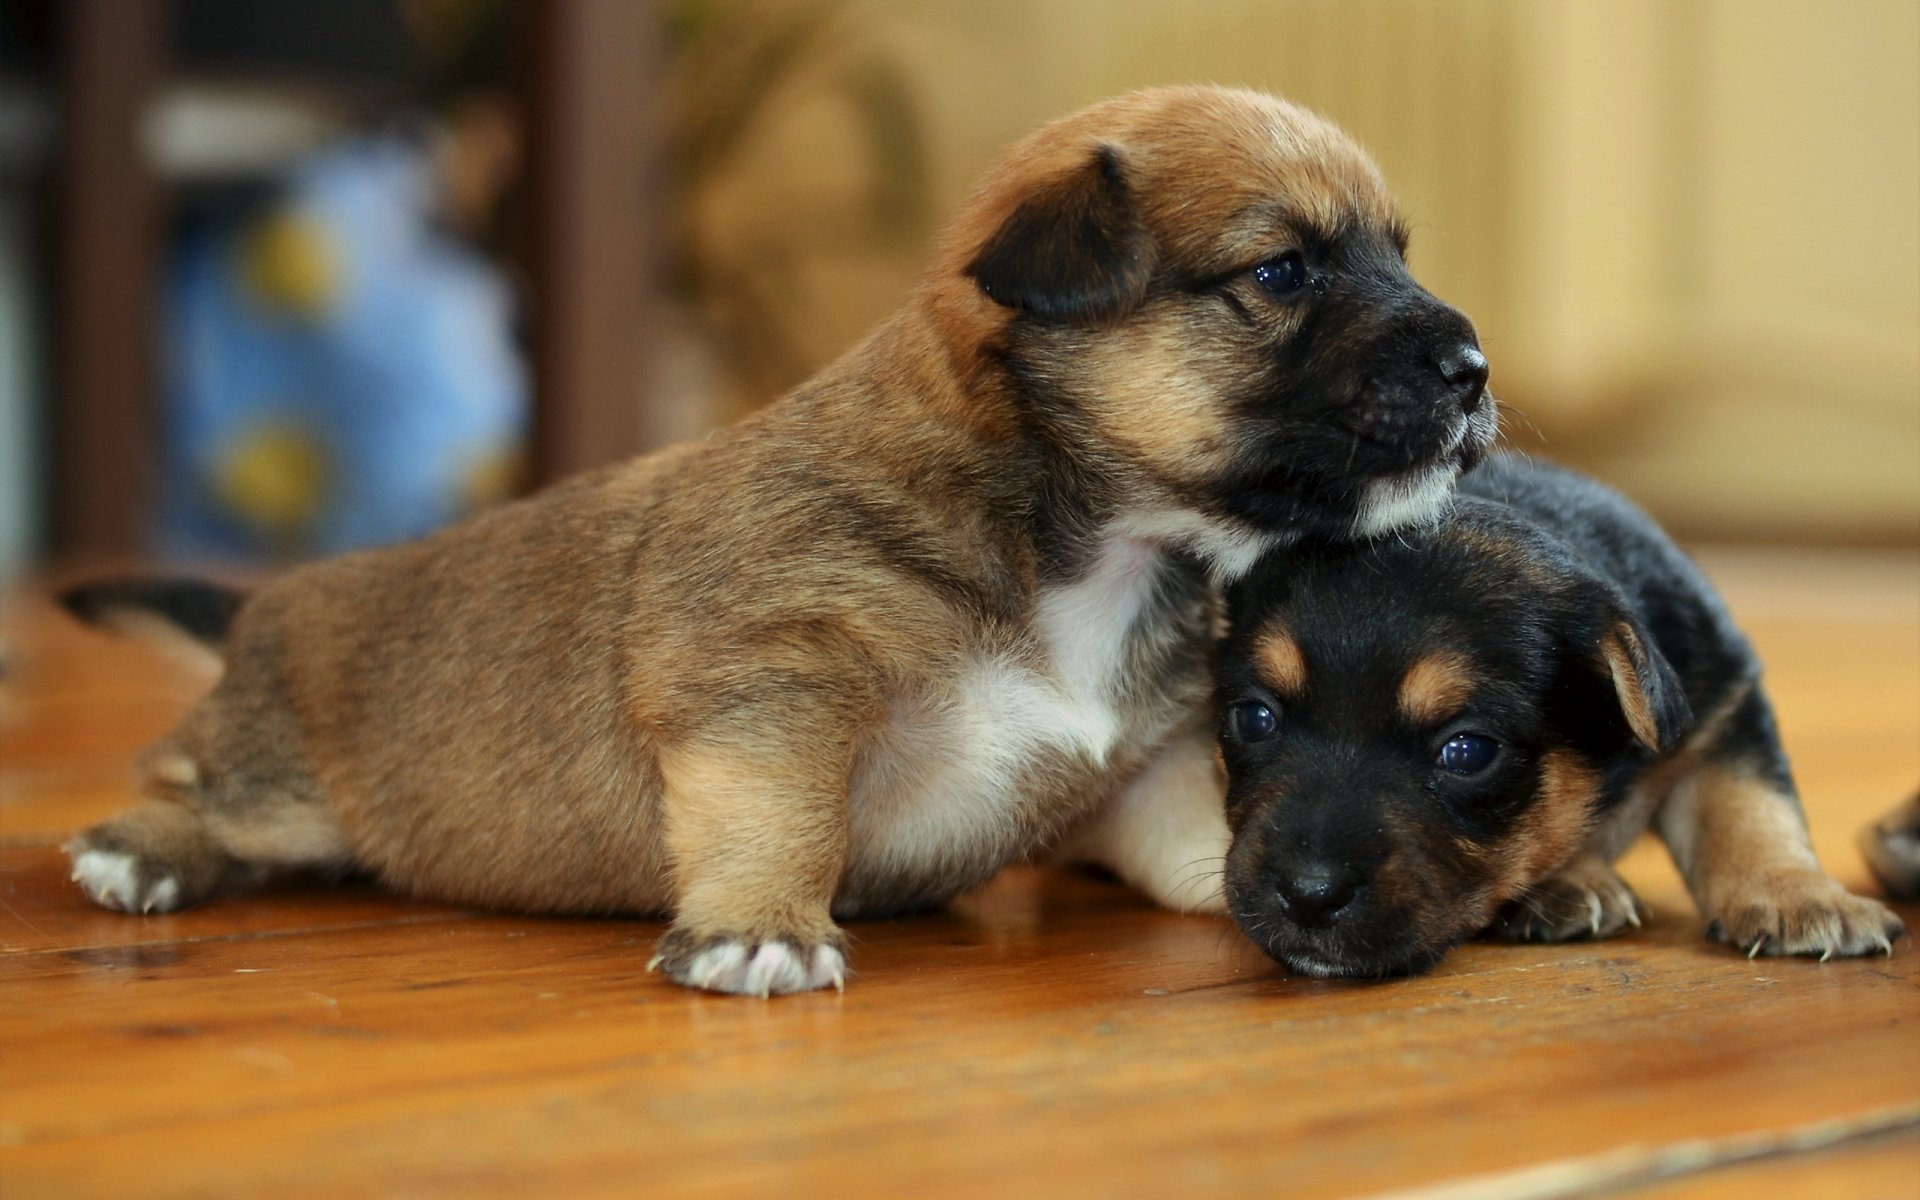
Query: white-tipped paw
(1806, 916)
(746, 967)
(116, 880)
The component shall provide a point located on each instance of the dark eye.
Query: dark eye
(1468, 754)
(1251, 721)
(1283, 278)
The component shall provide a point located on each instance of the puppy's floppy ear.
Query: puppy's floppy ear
(1074, 250)
(1651, 696)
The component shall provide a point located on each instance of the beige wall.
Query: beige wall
(1688, 229)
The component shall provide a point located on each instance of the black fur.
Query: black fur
(1317, 408)
(1073, 252)
(1357, 380)
(203, 611)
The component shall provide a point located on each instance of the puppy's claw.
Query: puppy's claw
(829, 964)
(1586, 899)
(1811, 916)
(653, 964)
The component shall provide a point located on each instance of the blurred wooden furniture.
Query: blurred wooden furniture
(107, 279)
(593, 224)
(1049, 1035)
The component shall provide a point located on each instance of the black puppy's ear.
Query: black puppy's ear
(1651, 696)
(1073, 250)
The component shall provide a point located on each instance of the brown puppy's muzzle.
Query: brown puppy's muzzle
(1464, 369)
(1399, 374)
(1425, 398)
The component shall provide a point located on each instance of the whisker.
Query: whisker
(1507, 409)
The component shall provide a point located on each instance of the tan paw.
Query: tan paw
(1891, 846)
(1810, 915)
(1585, 900)
(744, 966)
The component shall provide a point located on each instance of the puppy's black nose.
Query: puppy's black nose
(1314, 894)
(1465, 370)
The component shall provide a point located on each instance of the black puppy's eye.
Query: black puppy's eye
(1468, 754)
(1283, 278)
(1251, 721)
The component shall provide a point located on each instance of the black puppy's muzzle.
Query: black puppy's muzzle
(1314, 904)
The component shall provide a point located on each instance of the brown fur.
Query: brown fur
(717, 681)
(1621, 651)
(1743, 849)
(1891, 847)
(1435, 687)
(1552, 831)
(1281, 665)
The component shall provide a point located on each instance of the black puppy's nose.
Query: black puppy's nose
(1314, 894)
(1465, 370)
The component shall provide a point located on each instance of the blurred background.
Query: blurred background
(280, 277)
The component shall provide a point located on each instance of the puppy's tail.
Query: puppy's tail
(186, 616)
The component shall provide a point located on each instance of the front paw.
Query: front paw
(751, 966)
(1586, 900)
(1810, 915)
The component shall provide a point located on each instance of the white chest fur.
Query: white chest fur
(944, 782)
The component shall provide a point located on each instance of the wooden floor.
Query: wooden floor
(1050, 1035)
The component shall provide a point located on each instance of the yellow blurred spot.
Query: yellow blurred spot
(274, 477)
(491, 478)
(288, 262)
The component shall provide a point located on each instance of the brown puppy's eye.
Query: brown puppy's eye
(1283, 278)
(1468, 754)
(1251, 721)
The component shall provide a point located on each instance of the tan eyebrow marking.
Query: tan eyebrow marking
(1435, 686)
(1281, 665)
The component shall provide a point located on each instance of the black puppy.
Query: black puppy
(1460, 730)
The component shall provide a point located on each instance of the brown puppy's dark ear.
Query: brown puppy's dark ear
(1074, 250)
(1651, 696)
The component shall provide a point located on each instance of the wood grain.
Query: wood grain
(1049, 1035)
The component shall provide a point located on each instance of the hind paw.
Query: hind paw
(118, 880)
(154, 857)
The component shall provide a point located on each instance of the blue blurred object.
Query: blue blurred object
(342, 370)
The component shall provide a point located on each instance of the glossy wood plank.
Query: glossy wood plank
(1050, 1034)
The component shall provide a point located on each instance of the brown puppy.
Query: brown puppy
(942, 607)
